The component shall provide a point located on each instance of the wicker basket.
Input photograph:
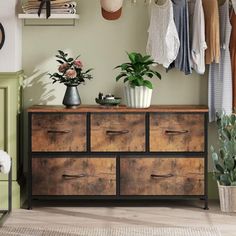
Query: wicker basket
(227, 196)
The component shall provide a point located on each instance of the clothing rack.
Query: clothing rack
(6, 213)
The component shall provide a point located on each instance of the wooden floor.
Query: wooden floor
(163, 214)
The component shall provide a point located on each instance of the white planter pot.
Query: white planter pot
(137, 97)
(227, 196)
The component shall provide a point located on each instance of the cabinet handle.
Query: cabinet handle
(176, 132)
(59, 131)
(117, 132)
(65, 176)
(161, 176)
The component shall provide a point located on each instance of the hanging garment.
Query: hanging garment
(212, 29)
(163, 41)
(220, 75)
(233, 54)
(197, 35)
(181, 18)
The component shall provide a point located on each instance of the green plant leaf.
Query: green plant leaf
(233, 183)
(229, 163)
(215, 157)
(120, 76)
(148, 84)
(61, 53)
(224, 180)
(219, 168)
(132, 57)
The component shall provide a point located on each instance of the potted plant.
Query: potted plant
(138, 89)
(71, 73)
(225, 162)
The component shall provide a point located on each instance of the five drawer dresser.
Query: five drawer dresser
(118, 153)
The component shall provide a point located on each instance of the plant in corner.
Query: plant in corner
(71, 73)
(225, 161)
(136, 75)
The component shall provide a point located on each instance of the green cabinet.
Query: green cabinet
(10, 109)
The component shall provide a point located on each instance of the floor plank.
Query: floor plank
(161, 214)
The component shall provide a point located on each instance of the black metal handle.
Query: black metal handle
(176, 132)
(117, 132)
(162, 176)
(66, 176)
(59, 131)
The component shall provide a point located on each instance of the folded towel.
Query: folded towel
(53, 11)
(70, 4)
(5, 162)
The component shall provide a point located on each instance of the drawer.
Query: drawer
(58, 132)
(73, 176)
(162, 176)
(117, 132)
(176, 132)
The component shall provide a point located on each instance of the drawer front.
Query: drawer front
(117, 132)
(162, 176)
(58, 132)
(176, 132)
(73, 176)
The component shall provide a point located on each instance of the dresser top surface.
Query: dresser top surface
(121, 108)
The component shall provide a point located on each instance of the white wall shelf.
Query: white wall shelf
(53, 20)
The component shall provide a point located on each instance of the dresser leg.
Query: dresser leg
(206, 204)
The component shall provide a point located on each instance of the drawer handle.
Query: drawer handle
(176, 132)
(59, 131)
(65, 176)
(161, 176)
(117, 132)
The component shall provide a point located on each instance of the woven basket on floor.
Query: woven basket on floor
(227, 196)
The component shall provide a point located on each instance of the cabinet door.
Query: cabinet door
(176, 132)
(117, 132)
(161, 176)
(73, 176)
(58, 132)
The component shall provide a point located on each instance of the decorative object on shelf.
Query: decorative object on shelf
(2, 35)
(225, 163)
(111, 10)
(107, 100)
(71, 74)
(138, 91)
(49, 7)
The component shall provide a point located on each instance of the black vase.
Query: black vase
(71, 98)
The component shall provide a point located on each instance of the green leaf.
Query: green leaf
(224, 180)
(120, 76)
(60, 61)
(219, 168)
(70, 59)
(61, 53)
(148, 84)
(233, 183)
(229, 163)
(132, 57)
(215, 157)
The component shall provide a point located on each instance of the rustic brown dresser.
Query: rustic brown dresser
(96, 152)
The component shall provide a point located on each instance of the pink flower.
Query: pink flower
(78, 64)
(71, 74)
(63, 67)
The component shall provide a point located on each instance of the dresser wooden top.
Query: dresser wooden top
(121, 108)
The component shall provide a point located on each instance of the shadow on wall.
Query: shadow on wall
(36, 89)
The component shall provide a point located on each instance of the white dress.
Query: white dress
(198, 42)
(220, 75)
(163, 41)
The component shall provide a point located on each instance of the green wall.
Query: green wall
(102, 45)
